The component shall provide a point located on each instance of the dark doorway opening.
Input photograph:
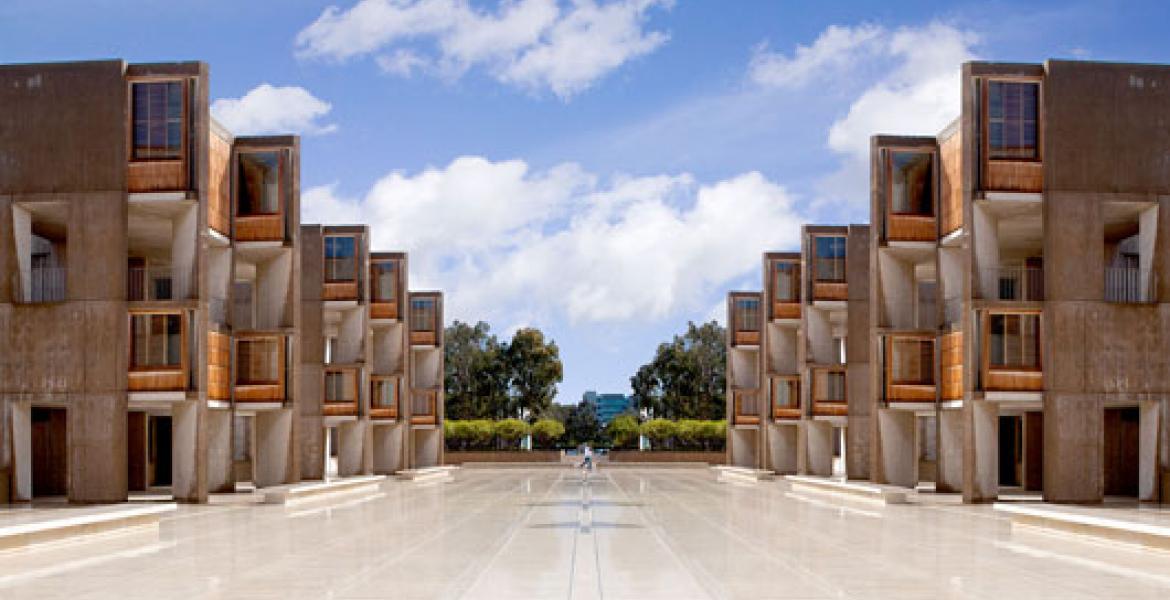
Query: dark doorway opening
(50, 459)
(1122, 453)
(136, 451)
(160, 451)
(1011, 451)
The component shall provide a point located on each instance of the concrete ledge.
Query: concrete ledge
(53, 525)
(514, 465)
(1128, 526)
(726, 474)
(428, 475)
(654, 465)
(299, 493)
(851, 490)
(236, 498)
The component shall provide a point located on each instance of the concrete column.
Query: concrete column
(183, 234)
(351, 436)
(185, 459)
(387, 444)
(20, 412)
(273, 433)
(981, 454)
(427, 447)
(857, 448)
(820, 448)
(741, 442)
(1074, 439)
(22, 235)
(1150, 424)
(950, 451)
(898, 447)
(783, 444)
(96, 433)
(219, 451)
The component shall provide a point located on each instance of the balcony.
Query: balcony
(828, 268)
(158, 144)
(1015, 284)
(745, 320)
(1131, 285)
(261, 367)
(424, 321)
(158, 352)
(829, 398)
(385, 289)
(384, 396)
(785, 397)
(746, 403)
(423, 404)
(340, 398)
(909, 369)
(43, 285)
(785, 286)
(1012, 360)
(148, 284)
(261, 195)
(910, 208)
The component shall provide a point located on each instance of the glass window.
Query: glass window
(422, 314)
(747, 314)
(385, 393)
(829, 386)
(385, 281)
(830, 258)
(911, 183)
(259, 188)
(913, 362)
(158, 119)
(258, 362)
(156, 341)
(787, 282)
(340, 258)
(340, 387)
(1014, 341)
(786, 394)
(1012, 108)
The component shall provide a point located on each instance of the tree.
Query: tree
(660, 431)
(535, 369)
(476, 376)
(686, 379)
(582, 426)
(547, 431)
(623, 431)
(511, 431)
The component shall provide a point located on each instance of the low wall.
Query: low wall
(458, 457)
(668, 456)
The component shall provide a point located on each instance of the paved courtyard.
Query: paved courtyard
(623, 533)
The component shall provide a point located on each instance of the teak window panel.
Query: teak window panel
(911, 183)
(786, 397)
(786, 281)
(384, 397)
(911, 361)
(340, 258)
(829, 258)
(1013, 341)
(158, 115)
(1013, 120)
(156, 342)
(829, 386)
(259, 361)
(341, 386)
(260, 189)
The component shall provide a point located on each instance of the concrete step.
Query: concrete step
(311, 491)
(728, 474)
(428, 474)
(848, 490)
(1136, 527)
(44, 526)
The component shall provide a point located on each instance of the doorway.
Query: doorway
(1011, 451)
(1122, 453)
(159, 444)
(50, 459)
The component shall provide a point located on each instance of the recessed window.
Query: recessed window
(911, 183)
(156, 342)
(1014, 341)
(830, 386)
(1012, 109)
(787, 278)
(340, 258)
(747, 314)
(786, 394)
(422, 314)
(258, 362)
(259, 189)
(385, 393)
(913, 362)
(385, 281)
(340, 386)
(830, 258)
(158, 120)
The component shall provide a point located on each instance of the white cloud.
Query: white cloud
(267, 109)
(835, 50)
(511, 244)
(533, 44)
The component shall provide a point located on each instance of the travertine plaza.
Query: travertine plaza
(204, 397)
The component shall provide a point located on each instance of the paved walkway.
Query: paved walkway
(624, 533)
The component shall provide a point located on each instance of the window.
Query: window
(158, 120)
(912, 362)
(258, 362)
(1014, 341)
(340, 258)
(385, 281)
(747, 314)
(340, 386)
(1012, 108)
(259, 187)
(830, 386)
(830, 258)
(911, 183)
(786, 394)
(787, 277)
(156, 342)
(385, 393)
(422, 314)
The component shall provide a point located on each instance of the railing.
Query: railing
(149, 283)
(422, 406)
(1019, 284)
(1130, 285)
(45, 284)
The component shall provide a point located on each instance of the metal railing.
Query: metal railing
(1020, 284)
(1130, 285)
(44, 284)
(149, 283)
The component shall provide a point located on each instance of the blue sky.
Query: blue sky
(604, 170)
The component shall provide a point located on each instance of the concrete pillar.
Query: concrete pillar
(981, 454)
(820, 448)
(427, 447)
(857, 448)
(351, 439)
(950, 451)
(741, 443)
(22, 236)
(273, 433)
(96, 433)
(1150, 424)
(783, 445)
(271, 291)
(898, 447)
(311, 438)
(20, 412)
(1074, 439)
(349, 336)
(387, 444)
(185, 459)
(219, 451)
(183, 233)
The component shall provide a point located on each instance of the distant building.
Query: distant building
(608, 405)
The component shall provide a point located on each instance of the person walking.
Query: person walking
(587, 462)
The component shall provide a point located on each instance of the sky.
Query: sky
(604, 170)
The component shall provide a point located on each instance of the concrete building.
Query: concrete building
(1021, 260)
(425, 435)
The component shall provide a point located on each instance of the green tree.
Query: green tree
(535, 369)
(547, 431)
(686, 379)
(582, 426)
(623, 431)
(511, 431)
(480, 433)
(660, 431)
(476, 376)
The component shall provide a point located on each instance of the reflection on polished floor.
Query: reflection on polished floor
(548, 533)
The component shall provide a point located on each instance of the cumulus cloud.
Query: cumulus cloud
(836, 49)
(533, 44)
(268, 109)
(513, 244)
